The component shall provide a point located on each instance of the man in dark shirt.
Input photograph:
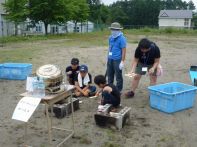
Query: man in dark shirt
(83, 82)
(72, 70)
(110, 93)
(146, 60)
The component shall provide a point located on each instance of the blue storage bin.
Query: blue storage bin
(1, 68)
(193, 74)
(172, 97)
(15, 71)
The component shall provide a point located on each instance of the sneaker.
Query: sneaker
(129, 94)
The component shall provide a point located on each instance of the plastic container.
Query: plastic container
(15, 71)
(1, 69)
(38, 88)
(193, 74)
(172, 97)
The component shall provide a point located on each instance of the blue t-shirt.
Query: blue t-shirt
(115, 47)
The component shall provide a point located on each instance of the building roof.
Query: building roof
(175, 14)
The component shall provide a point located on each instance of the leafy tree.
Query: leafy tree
(94, 6)
(191, 5)
(50, 11)
(104, 14)
(80, 12)
(194, 20)
(16, 10)
(94, 2)
(118, 14)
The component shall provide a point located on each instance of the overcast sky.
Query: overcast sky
(107, 2)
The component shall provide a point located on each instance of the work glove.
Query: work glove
(121, 65)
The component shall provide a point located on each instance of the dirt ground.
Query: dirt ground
(148, 127)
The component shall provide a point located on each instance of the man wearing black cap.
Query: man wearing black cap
(72, 70)
(82, 83)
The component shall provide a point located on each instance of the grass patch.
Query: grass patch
(84, 140)
(164, 31)
(26, 52)
(98, 38)
(95, 38)
(110, 144)
(17, 55)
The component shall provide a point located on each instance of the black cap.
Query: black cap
(75, 61)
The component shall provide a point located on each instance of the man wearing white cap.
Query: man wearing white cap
(116, 55)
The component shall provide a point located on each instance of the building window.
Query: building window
(76, 29)
(186, 22)
(38, 29)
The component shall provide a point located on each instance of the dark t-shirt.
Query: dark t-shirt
(149, 57)
(115, 92)
(76, 80)
(74, 71)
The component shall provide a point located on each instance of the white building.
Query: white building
(24, 28)
(175, 18)
(5, 26)
(80, 27)
(68, 27)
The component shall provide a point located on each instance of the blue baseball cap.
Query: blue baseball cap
(83, 68)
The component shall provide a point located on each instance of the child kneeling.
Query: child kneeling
(82, 83)
(110, 94)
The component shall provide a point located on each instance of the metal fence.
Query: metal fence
(27, 28)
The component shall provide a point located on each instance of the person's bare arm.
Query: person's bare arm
(134, 64)
(156, 63)
(98, 92)
(123, 54)
(78, 87)
(108, 89)
(85, 88)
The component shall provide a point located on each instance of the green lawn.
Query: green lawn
(13, 51)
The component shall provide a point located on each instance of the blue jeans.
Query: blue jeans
(110, 99)
(92, 88)
(113, 69)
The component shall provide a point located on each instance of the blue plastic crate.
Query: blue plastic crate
(193, 74)
(1, 68)
(15, 71)
(172, 97)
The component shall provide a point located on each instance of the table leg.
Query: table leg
(25, 137)
(72, 110)
(48, 122)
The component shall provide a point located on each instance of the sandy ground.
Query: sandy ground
(148, 127)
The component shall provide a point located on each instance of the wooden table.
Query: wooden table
(49, 101)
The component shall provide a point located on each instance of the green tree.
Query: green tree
(194, 20)
(118, 15)
(50, 11)
(104, 14)
(80, 12)
(191, 5)
(16, 11)
(94, 6)
(175, 4)
(99, 13)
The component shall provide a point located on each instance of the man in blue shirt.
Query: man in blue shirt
(116, 55)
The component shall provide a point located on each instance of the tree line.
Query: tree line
(127, 12)
(134, 12)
